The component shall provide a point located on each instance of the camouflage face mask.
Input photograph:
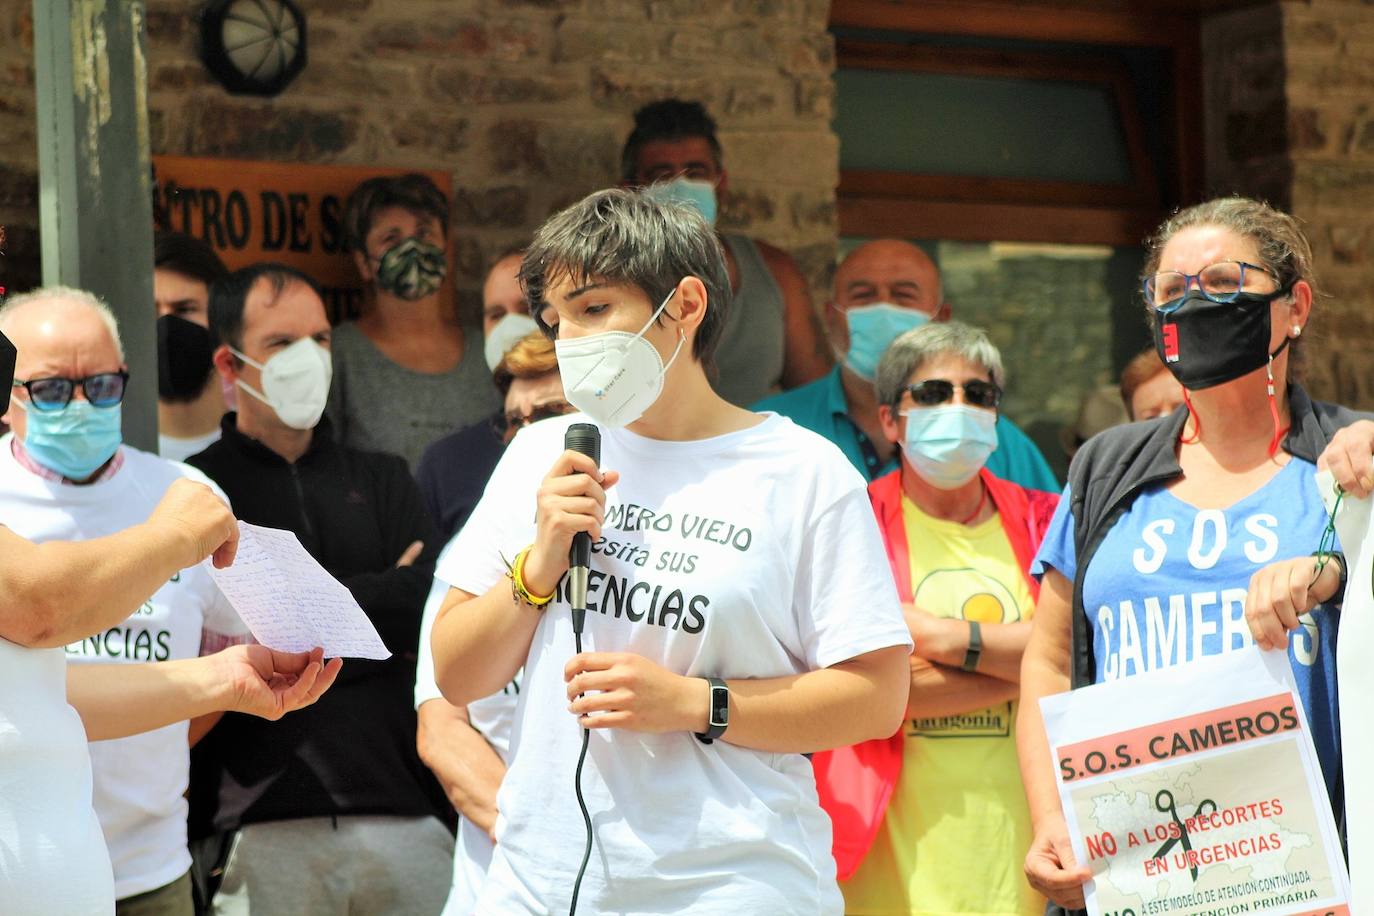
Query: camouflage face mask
(411, 269)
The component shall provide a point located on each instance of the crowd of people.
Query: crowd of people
(829, 578)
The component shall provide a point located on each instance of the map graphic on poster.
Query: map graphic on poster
(1215, 806)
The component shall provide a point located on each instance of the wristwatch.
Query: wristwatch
(975, 646)
(719, 718)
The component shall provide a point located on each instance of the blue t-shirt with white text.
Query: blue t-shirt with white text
(1167, 585)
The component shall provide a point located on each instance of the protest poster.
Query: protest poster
(1196, 790)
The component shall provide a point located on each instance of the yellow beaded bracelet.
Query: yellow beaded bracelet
(519, 592)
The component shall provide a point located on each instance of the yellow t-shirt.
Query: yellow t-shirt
(957, 829)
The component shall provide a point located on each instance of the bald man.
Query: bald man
(66, 477)
(883, 288)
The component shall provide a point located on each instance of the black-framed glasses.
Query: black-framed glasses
(936, 391)
(105, 389)
(1221, 282)
(516, 421)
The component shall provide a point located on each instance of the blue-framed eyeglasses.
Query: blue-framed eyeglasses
(105, 389)
(1220, 282)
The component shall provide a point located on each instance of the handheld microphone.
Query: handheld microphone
(584, 438)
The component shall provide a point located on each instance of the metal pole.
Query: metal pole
(95, 179)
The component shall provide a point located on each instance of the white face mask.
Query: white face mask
(614, 376)
(511, 329)
(295, 382)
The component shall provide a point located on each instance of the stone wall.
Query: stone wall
(1289, 99)
(1245, 125)
(1050, 312)
(526, 102)
(1329, 57)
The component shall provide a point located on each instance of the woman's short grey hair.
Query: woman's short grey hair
(913, 349)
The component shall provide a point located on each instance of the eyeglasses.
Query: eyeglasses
(1220, 282)
(935, 391)
(516, 421)
(105, 389)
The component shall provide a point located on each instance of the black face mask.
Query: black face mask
(184, 354)
(1205, 343)
(7, 355)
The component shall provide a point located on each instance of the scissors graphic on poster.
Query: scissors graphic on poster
(1164, 803)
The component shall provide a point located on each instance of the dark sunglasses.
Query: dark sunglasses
(935, 391)
(103, 390)
(542, 412)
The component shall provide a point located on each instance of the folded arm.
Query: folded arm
(939, 690)
(393, 597)
(945, 641)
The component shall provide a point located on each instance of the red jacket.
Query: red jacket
(856, 783)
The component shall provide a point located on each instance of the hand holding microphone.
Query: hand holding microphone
(571, 501)
(585, 439)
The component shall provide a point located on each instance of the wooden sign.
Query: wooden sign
(273, 211)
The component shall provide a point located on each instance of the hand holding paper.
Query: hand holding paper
(1347, 458)
(290, 602)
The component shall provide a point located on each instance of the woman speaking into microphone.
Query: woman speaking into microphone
(738, 613)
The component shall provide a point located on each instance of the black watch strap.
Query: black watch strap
(975, 646)
(719, 718)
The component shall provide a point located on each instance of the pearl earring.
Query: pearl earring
(1297, 330)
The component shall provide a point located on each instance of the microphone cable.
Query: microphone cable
(584, 438)
(581, 802)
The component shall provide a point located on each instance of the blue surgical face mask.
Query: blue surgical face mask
(683, 190)
(949, 445)
(872, 328)
(74, 441)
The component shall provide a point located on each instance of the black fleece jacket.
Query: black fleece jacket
(1115, 466)
(353, 752)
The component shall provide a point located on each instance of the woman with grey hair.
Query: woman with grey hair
(959, 542)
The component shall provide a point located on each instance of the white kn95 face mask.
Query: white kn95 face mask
(614, 376)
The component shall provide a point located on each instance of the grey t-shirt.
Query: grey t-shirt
(379, 406)
(752, 347)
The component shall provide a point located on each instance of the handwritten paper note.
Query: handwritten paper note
(290, 602)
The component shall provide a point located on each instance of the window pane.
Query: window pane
(932, 123)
